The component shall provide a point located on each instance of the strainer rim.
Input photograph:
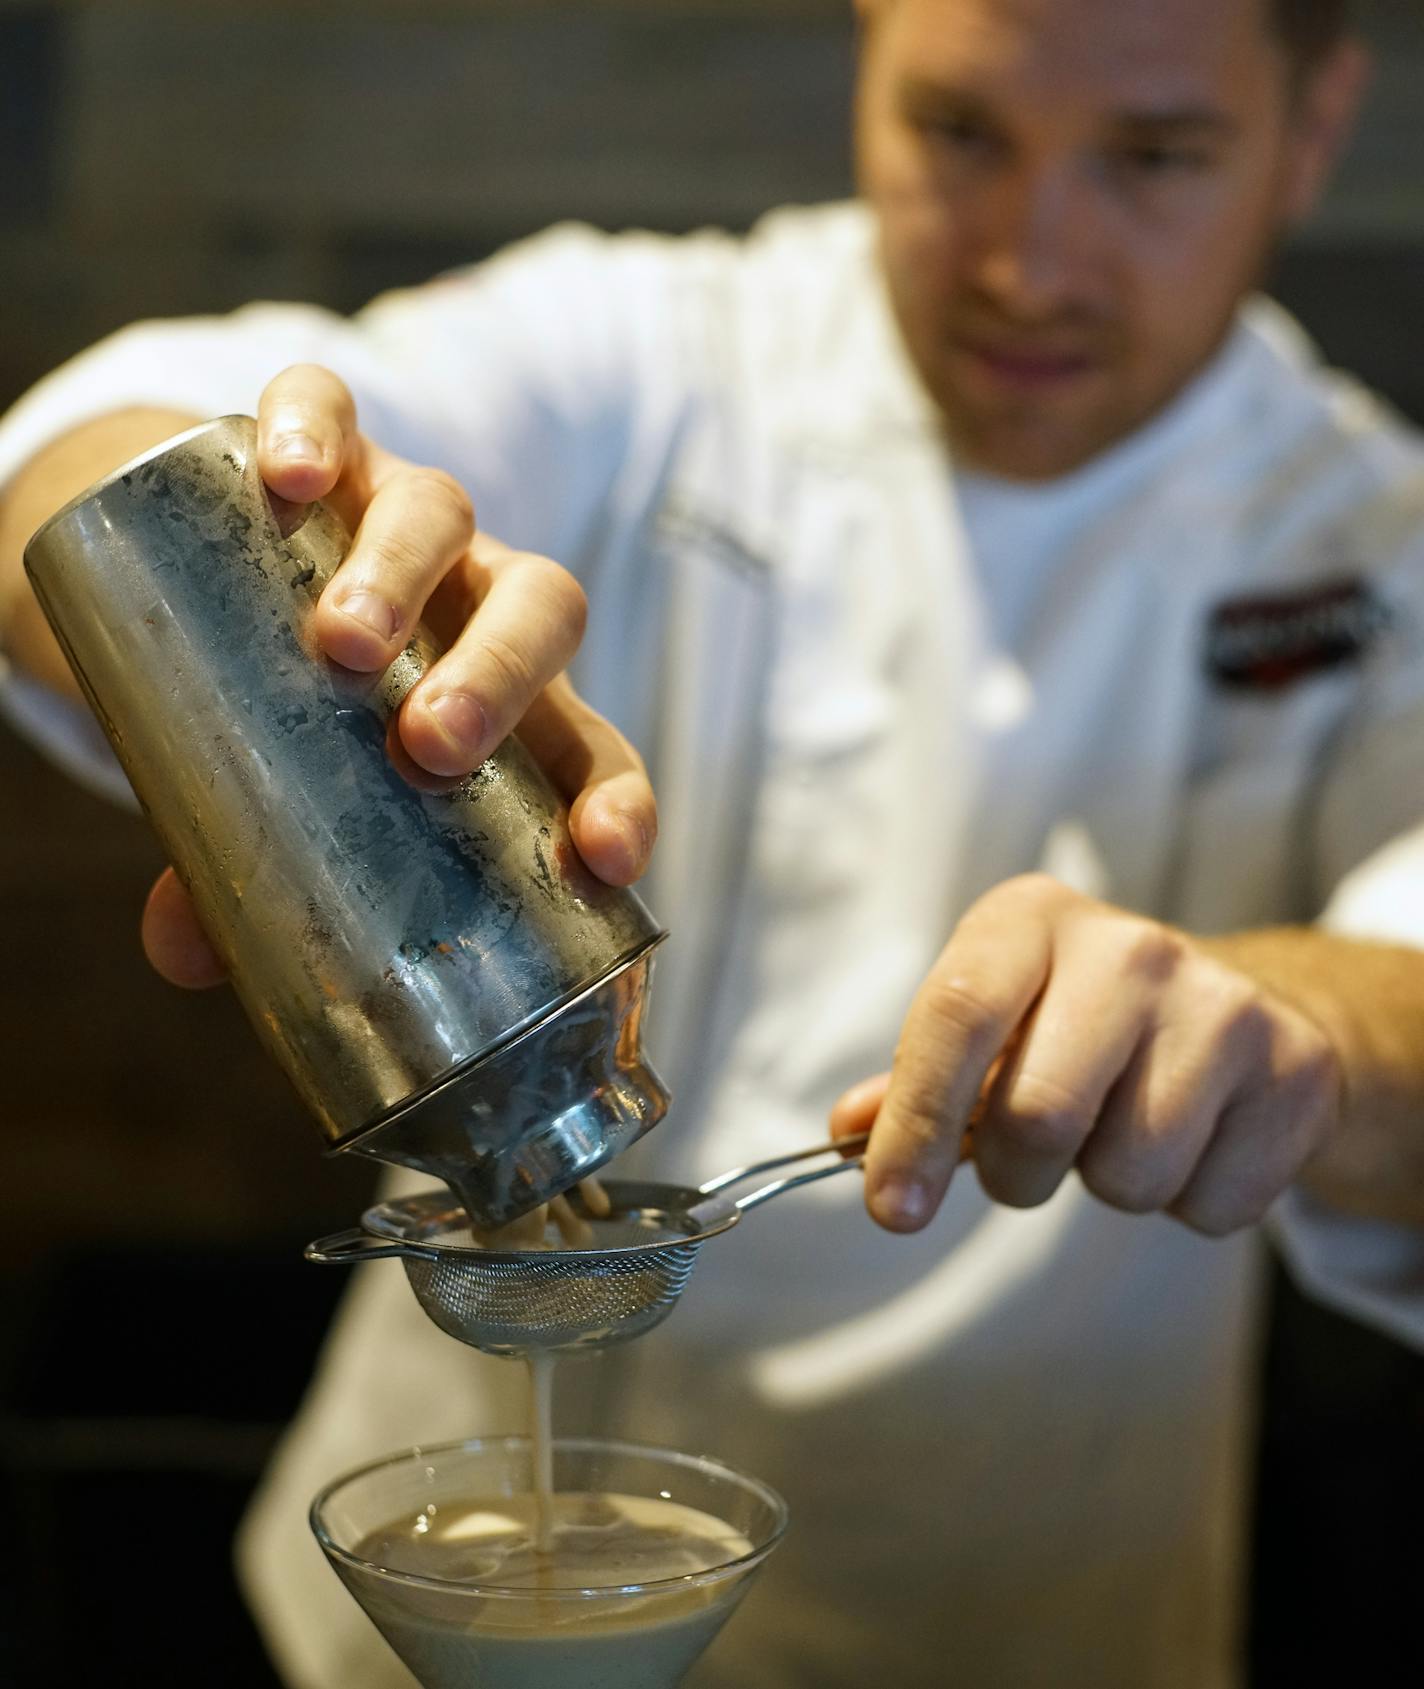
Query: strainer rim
(717, 1214)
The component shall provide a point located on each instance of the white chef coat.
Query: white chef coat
(868, 688)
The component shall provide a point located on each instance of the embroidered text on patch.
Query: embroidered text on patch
(1265, 643)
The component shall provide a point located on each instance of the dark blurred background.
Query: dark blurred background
(156, 1322)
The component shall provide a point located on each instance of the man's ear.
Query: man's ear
(1326, 105)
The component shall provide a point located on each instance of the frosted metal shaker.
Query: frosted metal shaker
(445, 983)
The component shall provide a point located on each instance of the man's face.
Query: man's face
(1073, 196)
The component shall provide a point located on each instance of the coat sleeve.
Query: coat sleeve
(1366, 816)
(1368, 849)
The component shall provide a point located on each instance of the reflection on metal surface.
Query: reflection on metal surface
(391, 945)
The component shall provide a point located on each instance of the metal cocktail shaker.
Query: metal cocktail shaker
(445, 983)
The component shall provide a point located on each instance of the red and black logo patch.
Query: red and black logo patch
(1265, 643)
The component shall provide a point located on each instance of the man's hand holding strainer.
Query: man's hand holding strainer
(1065, 1034)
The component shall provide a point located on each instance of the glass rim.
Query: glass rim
(703, 1463)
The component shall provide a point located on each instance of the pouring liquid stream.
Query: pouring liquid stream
(530, 1231)
(541, 1441)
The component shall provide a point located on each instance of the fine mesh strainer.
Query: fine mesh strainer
(509, 1302)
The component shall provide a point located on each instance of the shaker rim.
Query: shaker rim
(156, 451)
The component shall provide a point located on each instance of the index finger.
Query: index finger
(306, 431)
(985, 981)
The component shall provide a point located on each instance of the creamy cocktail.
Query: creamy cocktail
(624, 1579)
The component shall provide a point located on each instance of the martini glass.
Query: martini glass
(459, 1634)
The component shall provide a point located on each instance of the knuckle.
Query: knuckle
(917, 1120)
(1151, 952)
(1128, 1183)
(1313, 1064)
(564, 598)
(571, 604)
(1245, 1026)
(1035, 891)
(434, 490)
(916, 1103)
(394, 553)
(1222, 987)
(1223, 1201)
(1043, 1119)
(1037, 885)
(952, 1004)
(509, 665)
(1217, 1218)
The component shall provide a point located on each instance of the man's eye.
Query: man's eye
(961, 135)
(1147, 160)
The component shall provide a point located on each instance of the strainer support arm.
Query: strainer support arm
(837, 1146)
(342, 1248)
(843, 1163)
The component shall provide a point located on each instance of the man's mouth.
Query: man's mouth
(1027, 368)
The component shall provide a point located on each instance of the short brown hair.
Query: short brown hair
(1310, 28)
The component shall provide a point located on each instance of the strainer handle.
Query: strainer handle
(754, 1199)
(341, 1248)
(842, 1164)
(856, 1140)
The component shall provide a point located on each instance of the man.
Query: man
(926, 548)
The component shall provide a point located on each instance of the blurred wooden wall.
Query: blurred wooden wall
(130, 1110)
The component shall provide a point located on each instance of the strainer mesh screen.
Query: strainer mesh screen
(559, 1299)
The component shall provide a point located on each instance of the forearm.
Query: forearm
(49, 480)
(1368, 999)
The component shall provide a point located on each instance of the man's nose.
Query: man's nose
(1034, 242)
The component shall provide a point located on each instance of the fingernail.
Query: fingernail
(634, 836)
(371, 611)
(296, 448)
(901, 1201)
(460, 719)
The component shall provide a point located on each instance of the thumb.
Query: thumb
(174, 940)
(855, 1110)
